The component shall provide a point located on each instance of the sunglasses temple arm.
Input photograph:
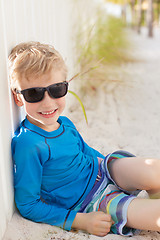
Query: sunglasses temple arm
(17, 91)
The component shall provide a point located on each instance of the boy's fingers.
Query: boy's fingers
(107, 218)
(108, 223)
(110, 219)
(112, 222)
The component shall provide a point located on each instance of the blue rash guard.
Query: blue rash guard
(53, 172)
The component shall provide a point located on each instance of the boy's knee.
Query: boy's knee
(154, 178)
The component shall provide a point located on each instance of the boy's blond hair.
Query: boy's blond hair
(32, 59)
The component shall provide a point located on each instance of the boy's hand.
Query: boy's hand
(97, 223)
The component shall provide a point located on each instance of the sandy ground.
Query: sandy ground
(123, 117)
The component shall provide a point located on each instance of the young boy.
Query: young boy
(59, 179)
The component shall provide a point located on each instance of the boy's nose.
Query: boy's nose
(47, 97)
(48, 102)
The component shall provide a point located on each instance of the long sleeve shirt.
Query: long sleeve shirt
(53, 172)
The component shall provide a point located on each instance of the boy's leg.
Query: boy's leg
(136, 173)
(144, 214)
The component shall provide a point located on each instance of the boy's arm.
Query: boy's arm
(27, 180)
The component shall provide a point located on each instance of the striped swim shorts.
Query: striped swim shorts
(106, 196)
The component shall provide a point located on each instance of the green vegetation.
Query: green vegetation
(81, 104)
(107, 42)
(105, 46)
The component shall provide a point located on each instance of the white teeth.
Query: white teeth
(47, 113)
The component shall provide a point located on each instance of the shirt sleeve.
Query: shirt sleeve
(28, 169)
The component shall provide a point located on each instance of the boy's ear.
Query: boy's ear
(17, 99)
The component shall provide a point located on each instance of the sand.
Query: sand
(125, 116)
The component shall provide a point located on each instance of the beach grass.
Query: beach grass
(103, 47)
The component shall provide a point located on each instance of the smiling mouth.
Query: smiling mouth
(48, 113)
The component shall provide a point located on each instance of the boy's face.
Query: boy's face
(46, 112)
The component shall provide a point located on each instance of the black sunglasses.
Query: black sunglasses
(33, 95)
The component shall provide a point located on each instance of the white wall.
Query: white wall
(6, 192)
(47, 21)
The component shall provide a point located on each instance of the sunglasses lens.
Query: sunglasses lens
(58, 90)
(33, 95)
